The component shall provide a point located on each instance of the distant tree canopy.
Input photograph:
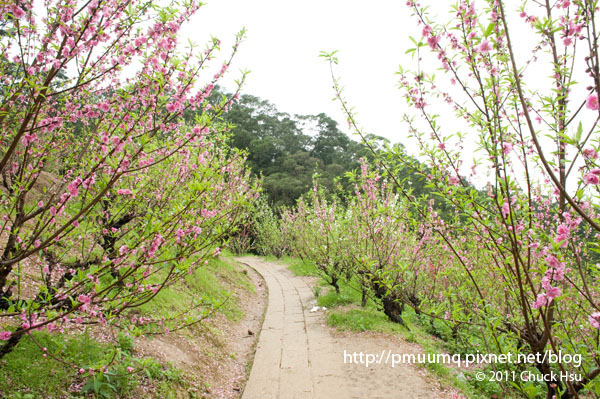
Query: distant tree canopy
(288, 150)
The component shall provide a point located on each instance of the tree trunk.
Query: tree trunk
(393, 310)
(334, 284)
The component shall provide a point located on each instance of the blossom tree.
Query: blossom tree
(316, 231)
(378, 236)
(515, 156)
(116, 181)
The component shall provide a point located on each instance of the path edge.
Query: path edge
(250, 363)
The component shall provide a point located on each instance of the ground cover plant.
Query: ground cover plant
(129, 370)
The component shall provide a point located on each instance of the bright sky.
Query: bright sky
(282, 46)
(284, 39)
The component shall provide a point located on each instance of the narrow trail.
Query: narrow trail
(298, 357)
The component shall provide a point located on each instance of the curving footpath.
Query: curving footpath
(296, 356)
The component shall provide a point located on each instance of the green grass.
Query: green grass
(349, 294)
(365, 319)
(27, 374)
(300, 267)
(30, 375)
(208, 284)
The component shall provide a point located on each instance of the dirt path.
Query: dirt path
(299, 357)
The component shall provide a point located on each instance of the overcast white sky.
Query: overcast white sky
(283, 43)
(284, 39)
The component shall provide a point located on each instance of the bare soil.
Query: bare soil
(216, 357)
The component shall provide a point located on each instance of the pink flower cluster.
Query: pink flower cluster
(563, 230)
(590, 153)
(554, 273)
(594, 320)
(592, 177)
(592, 102)
(156, 243)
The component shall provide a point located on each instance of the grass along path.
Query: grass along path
(205, 361)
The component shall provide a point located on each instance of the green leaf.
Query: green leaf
(96, 385)
(597, 388)
(579, 133)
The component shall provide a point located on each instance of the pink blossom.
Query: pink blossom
(485, 46)
(591, 178)
(553, 292)
(590, 153)
(84, 299)
(433, 41)
(594, 319)
(124, 191)
(5, 335)
(563, 229)
(139, 41)
(556, 274)
(507, 147)
(28, 139)
(156, 243)
(505, 209)
(592, 102)
(104, 107)
(541, 300)
(74, 187)
(18, 12)
(130, 369)
(199, 130)
(562, 239)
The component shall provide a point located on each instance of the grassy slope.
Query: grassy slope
(27, 374)
(345, 313)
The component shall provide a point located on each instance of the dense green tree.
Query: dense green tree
(288, 150)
